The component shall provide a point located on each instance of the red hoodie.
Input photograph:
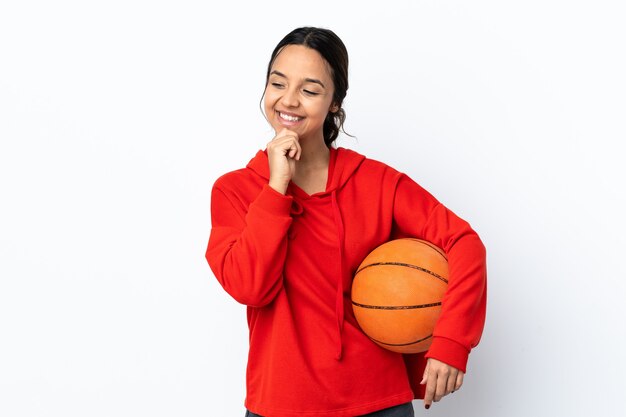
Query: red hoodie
(291, 259)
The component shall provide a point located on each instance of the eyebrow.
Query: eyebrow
(308, 80)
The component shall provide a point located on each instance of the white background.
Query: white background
(117, 117)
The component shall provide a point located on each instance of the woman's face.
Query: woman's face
(299, 92)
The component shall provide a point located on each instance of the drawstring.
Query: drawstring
(339, 296)
(296, 210)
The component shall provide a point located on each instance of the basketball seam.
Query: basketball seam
(402, 344)
(396, 307)
(430, 245)
(419, 268)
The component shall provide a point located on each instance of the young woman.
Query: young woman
(290, 229)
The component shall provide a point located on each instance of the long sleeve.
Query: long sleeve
(248, 245)
(460, 324)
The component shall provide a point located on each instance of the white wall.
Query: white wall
(116, 117)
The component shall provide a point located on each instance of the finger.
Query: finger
(288, 139)
(429, 390)
(283, 138)
(286, 132)
(459, 381)
(284, 144)
(296, 149)
(442, 382)
(282, 132)
(425, 376)
(451, 384)
(429, 394)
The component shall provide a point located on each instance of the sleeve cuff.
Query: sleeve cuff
(274, 202)
(450, 352)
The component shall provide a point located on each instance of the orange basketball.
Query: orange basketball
(397, 292)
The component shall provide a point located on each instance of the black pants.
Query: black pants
(402, 410)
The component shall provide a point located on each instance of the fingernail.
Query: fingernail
(427, 406)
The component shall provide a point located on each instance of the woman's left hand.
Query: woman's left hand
(441, 379)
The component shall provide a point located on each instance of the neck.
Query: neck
(314, 154)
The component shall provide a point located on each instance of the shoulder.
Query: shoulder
(232, 178)
(241, 185)
(236, 189)
(249, 177)
(377, 165)
(371, 166)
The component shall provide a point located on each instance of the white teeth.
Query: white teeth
(289, 118)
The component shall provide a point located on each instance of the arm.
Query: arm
(247, 250)
(460, 324)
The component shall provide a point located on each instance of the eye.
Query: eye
(277, 85)
(311, 93)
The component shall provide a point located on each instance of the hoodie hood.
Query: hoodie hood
(343, 163)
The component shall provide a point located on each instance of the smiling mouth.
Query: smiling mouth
(289, 118)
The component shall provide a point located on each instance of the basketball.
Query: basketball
(397, 292)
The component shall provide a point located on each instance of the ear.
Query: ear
(334, 108)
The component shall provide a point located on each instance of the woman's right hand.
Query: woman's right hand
(282, 152)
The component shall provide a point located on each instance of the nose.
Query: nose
(290, 98)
